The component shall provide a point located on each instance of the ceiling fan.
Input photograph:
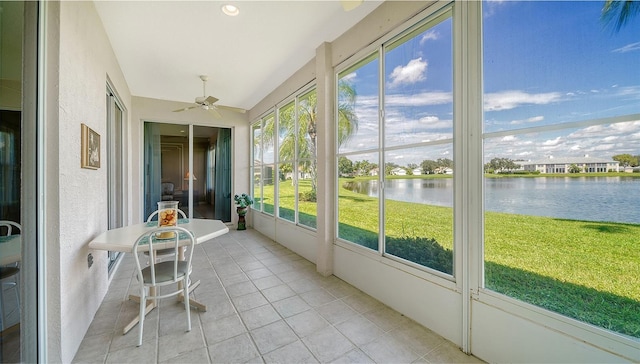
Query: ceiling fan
(207, 102)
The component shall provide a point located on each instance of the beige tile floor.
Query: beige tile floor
(266, 304)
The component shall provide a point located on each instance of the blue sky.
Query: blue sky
(545, 63)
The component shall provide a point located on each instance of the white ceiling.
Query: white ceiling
(163, 46)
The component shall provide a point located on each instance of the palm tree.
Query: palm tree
(619, 12)
(306, 134)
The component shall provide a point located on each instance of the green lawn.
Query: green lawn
(586, 270)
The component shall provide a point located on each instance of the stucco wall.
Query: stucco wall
(76, 197)
(80, 61)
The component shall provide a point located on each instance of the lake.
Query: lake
(615, 199)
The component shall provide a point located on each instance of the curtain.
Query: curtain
(152, 168)
(222, 188)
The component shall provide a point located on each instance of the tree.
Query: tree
(306, 133)
(388, 167)
(363, 167)
(429, 166)
(617, 13)
(445, 162)
(345, 166)
(626, 160)
(574, 169)
(500, 165)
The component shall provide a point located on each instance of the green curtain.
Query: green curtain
(152, 167)
(223, 176)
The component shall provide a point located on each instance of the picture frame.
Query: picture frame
(90, 152)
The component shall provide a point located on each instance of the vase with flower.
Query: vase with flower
(243, 202)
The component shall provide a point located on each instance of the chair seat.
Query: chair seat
(164, 272)
(6, 272)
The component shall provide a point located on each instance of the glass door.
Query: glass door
(191, 165)
(115, 165)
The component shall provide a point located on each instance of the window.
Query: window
(561, 143)
(358, 152)
(297, 166)
(396, 172)
(264, 164)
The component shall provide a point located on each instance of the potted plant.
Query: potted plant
(243, 202)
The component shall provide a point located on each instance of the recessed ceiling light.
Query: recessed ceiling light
(230, 10)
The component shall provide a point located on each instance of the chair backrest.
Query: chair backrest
(9, 225)
(167, 188)
(149, 241)
(155, 213)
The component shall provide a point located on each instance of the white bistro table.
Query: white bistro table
(122, 240)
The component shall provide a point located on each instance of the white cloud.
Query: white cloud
(552, 142)
(533, 119)
(628, 48)
(413, 72)
(421, 99)
(633, 91)
(429, 119)
(430, 35)
(507, 100)
(350, 77)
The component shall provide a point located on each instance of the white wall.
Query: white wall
(80, 60)
(76, 198)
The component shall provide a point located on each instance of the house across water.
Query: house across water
(585, 164)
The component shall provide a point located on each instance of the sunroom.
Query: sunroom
(506, 266)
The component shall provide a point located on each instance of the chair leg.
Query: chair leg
(187, 307)
(143, 304)
(3, 305)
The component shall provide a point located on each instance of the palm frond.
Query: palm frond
(616, 13)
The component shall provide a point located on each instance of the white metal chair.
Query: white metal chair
(9, 271)
(166, 273)
(167, 191)
(164, 252)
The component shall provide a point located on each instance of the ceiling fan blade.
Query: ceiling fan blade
(185, 108)
(215, 113)
(230, 108)
(210, 100)
(349, 5)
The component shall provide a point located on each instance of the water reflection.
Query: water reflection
(612, 199)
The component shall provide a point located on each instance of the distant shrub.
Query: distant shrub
(308, 196)
(424, 251)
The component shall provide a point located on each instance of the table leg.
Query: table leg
(150, 306)
(192, 302)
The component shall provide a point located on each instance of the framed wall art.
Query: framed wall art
(90, 148)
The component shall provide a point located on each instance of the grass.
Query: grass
(586, 270)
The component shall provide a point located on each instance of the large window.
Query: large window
(297, 163)
(561, 147)
(296, 167)
(396, 172)
(264, 172)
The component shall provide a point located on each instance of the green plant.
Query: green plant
(243, 200)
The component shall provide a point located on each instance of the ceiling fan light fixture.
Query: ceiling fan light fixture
(230, 10)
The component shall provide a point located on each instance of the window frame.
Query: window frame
(431, 16)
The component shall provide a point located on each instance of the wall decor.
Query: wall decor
(90, 148)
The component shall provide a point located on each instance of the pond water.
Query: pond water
(615, 199)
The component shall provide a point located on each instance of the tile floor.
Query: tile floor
(266, 304)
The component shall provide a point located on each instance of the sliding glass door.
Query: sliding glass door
(189, 164)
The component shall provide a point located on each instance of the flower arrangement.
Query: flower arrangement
(243, 200)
